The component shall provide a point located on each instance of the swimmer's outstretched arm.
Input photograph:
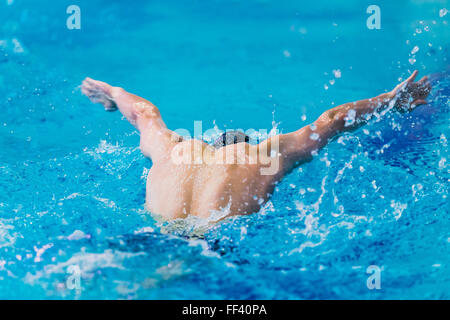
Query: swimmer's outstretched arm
(156, 139)
(296, 147)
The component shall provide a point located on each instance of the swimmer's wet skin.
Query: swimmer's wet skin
(176, 190)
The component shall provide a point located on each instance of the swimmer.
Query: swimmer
(225, 176)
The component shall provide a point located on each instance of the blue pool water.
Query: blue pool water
(72, 180)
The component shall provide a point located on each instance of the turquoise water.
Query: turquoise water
(72, 180)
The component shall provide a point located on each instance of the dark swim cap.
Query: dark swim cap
(231, 137)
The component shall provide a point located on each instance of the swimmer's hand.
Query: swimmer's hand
(99, 92)
(409, 94)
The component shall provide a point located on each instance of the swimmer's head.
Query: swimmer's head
(231, 137)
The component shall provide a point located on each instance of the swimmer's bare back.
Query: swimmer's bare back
(191, 177)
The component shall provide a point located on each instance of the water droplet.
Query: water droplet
(350, 118)
(443, 139)
(442, 163)
(337, 73)
(314, 136)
